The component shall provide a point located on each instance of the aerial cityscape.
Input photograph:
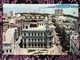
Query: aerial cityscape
(36, 29)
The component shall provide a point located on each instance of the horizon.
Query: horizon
(40, 8)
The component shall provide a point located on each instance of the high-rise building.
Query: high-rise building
(12, 13)
(58, 12)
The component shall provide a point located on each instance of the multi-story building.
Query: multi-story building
(58, 12)
(12, 13)
(71, 37)
(74, 43)
(9, 38)
(39, 36)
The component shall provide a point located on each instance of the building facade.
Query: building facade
(38, 37)
(9, 39)
(12, 13)
(58, 12)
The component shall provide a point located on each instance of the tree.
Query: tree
(53, 20)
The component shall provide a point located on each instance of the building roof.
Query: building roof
(9, 35)
(37, 28)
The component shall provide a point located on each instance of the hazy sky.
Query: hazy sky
(38, 8)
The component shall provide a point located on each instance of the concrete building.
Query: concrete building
(34, 16)
(71, 37)
(38, 37)
(74, 48)
(12, 13)
(74, 43)
(58, 12)
(9, 38)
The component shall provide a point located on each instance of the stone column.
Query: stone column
(31, 45)
(37, 45)
(26, 44)
(22, 43)
(43, 45)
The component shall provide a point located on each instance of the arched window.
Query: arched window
(41, 34)
(38, 44)
(32, 34)
(38, 39)
(29, 44)
(10, 50)
(26, 27)
(41, 44)
(29, 39)
(38, 34)
(7, 51)
(50, 33)
(24, 34)
(41, 39)
(29, 34)
(32, 39)
(35, 34)
(50, 43)
(35, 39)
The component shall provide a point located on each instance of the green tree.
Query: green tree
(53, 20)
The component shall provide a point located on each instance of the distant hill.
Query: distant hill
(75, 17)
(63, 6)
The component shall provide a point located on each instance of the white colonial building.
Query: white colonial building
(39, 36)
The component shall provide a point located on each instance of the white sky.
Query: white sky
(37, 8)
